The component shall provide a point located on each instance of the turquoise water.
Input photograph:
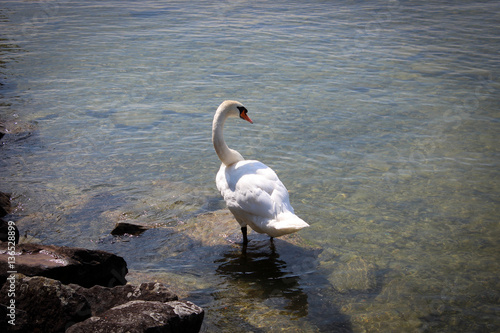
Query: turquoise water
(380, 117)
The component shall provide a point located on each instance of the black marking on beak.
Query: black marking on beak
(243, 114)
(243, 111)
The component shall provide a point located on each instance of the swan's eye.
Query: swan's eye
(243, 111)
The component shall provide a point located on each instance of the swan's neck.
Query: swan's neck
(227, 155)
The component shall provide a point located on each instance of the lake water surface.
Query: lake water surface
(381, 118)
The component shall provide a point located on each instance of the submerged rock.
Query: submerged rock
(143, 316)
(66, 264)
(353, 275)
(220, 228)
(15, 127)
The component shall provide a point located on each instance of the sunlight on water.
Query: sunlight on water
(380, 117)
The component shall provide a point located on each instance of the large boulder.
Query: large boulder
(41, 305)
(46, 305)
(102, 299)
(143, 316)
(66, 264)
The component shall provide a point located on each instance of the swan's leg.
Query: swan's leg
(273, 248)
(244, 232)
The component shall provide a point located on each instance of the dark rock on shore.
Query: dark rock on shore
(47, 305)
(175, 316)
(8, 232)
(2, 129)
(123, 228)
(68, 265)
(102, 299)
(5, 206)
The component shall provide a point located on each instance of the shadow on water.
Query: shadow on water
(276, 276)
(266, 275)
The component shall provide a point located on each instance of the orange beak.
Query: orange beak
(247, 118)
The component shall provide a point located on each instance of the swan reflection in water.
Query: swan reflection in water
(259, 270)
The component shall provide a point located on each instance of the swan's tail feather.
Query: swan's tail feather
(285, 223)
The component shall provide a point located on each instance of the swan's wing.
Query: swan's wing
(254, 188)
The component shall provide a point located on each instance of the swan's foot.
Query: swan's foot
(244, 232)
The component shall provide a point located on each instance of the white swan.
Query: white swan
(252, 190)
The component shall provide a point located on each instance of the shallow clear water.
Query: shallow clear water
(380, 117)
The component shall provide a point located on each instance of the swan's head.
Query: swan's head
(234, 109)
